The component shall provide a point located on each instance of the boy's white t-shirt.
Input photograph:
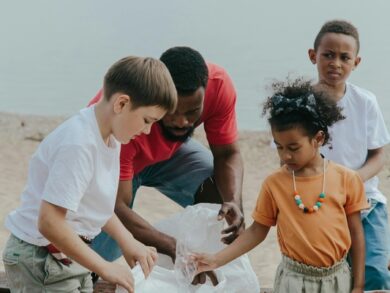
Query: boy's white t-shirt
(363, 129)
(72, 168)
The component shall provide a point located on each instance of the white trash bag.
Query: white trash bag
(196, 229)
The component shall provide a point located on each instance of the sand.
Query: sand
(21, 135)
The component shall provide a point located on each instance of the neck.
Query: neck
(314, 167)
(335, 92)
(102, 113)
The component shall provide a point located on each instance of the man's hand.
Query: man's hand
(234, 217)
(201, 278)
(145, 255)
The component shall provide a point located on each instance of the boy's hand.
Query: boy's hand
(234, 217)
(119, 275)
(145, 255)
(205, 262)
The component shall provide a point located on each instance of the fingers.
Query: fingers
(154, 254)
(232, 228)
(143, 262)
(213, 277)
(127, 284)
(229, 239)
(223, 212)
(199, 279)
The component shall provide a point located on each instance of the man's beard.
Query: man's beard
(170, 136)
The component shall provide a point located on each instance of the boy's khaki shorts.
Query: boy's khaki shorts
(30, 268)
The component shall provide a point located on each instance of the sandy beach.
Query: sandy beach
(21, 135)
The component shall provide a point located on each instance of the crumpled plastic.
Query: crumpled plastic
(196, 229)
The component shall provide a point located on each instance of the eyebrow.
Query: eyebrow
(291, 144)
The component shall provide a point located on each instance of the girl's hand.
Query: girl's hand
(117, 274)
(357, 290)
(205, 262)
(145, 255)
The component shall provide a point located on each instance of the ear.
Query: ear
(319, 138)
(312, 56)
(121, 101)
(357, 62)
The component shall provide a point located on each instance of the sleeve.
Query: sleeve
(356, 197)
(128, 152)
(378, 136)
(266, 210)
(96, 98)
(69, 176)
(221, 128)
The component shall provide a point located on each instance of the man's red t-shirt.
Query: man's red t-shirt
(219, 118)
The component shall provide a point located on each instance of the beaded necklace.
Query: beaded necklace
(320, 200)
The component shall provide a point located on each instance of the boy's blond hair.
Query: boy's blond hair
(146, 80)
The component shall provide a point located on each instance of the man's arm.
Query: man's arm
(228, 174)
(139, 227)
(373, 164)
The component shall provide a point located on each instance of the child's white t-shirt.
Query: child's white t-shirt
(72, 168)
(363, 129)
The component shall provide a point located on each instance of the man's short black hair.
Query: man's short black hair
(187, 68)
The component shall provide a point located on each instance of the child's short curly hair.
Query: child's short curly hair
(295, 104)
(338, 27)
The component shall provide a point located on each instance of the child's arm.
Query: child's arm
(52, 225)
(373, 164)
(132, 249)
(251, 237)
(357, 250)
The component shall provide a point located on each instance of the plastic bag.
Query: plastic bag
(196, 229)
(164, 280)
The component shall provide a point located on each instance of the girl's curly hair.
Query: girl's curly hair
(295, 103)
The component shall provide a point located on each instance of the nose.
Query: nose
(147, 129)
(286, 156)
(181, 121)
(336, 62)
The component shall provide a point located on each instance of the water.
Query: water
(55, 53)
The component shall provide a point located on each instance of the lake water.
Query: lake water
(55, 53)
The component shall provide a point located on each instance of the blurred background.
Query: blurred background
(54, 53)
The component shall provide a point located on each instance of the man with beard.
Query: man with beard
(181, 168)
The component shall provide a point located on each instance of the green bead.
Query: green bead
(318, 204)
(298, 201)
(322, 195)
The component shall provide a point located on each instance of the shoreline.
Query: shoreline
(23, 132)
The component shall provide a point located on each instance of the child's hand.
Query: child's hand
(119, 275)
(205, 262)
(145, 255)
(358, 291)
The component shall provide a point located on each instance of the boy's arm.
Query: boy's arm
(373, 164)
(53, 226)
(132, 249)
(139, 227)
(250, 238)
(357, 250)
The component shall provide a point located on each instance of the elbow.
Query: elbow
(43, 224)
